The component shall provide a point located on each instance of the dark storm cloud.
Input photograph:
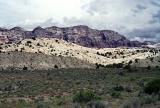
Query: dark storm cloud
(138, 18)
(141, 7)
(156, 17)
(146, 34)
(155, 3)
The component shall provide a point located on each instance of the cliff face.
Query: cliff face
(12, 35)
(81, 35)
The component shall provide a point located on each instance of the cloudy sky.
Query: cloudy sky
(137, 19)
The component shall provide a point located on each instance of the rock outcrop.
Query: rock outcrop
(81, 35)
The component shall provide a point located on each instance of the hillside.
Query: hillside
(148, 62)
(58, 48)
(32, 61)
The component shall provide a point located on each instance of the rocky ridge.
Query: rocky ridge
(81, 35)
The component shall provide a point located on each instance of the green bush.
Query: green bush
(115, 94)
(85, 96)
(149, 99)
(25, 68)
(43, 105)
(56, 66)
(152, 87)
(118, 65)
(132, 103)
(128, 67)
(98, 104)
(118, 88)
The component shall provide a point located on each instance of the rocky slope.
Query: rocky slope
(60, 48)
(81, 35)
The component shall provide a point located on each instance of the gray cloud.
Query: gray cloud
(141, 7)
(137, 19)
(155, 3)
(156, 17)
(47, 23)
(146, 34)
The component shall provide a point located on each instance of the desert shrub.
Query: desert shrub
(38, 44)
(149, 99)
(51, 50)
(133, 53)
(25, 68)
(43, 105)
(118, 88)
(34, 38)
(152, 87)
(97, 66)
(129, 88)
(121, 73)
(151, 51)
(128, 67)
(30, 45)
(84, 96)
(57, 41)
(132, 103)
(98, 104)
(55, 66)
(100, 66)
(130, 62)
(29, 42)
(118, 65)
(151, 59)
(22, 49)
(136, 60)
(115, 57)
(115, 94)
(137, 51)
(61, 102)
(77, 106)
(39, 51)
(19, 43)
(148, 67)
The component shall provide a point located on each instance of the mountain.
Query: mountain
(81, 35)
(149, 43)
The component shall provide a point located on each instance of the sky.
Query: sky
(136, 19)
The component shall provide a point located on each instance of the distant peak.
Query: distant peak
(17, 29)
(149, 42)
(38, 28)
(3, 29)
(81, 26)
(53, 27)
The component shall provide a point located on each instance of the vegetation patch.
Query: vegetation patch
(152, 87)
(84, 96)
